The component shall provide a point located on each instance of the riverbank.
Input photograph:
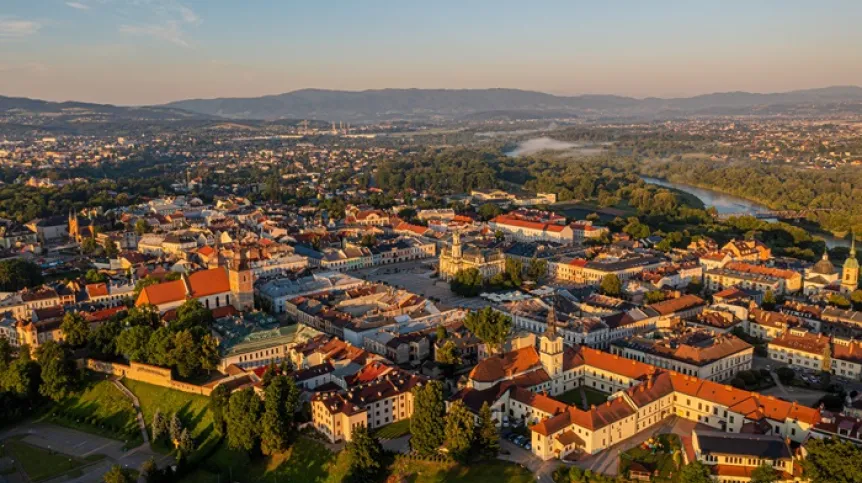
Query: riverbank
(726, 203)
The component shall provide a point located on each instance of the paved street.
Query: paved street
(541, 469)
(81, 444)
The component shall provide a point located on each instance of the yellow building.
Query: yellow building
(488, 261)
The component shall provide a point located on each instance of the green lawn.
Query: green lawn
(394, 430)
(99, 408)
(496, 471)
(192, 409)
(659, 459)
(306, 461)
(594, 397)
(42, 464)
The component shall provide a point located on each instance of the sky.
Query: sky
(134, 52)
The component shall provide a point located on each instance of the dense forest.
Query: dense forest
(779, 187)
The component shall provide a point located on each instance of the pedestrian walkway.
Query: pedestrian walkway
(137, 404)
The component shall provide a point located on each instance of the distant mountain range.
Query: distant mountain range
(450, 104)
(428, 104)
(22, 106)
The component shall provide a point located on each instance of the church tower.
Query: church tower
(551, 346)
(73, 225)
(456, 245)
(241, 279)
(850, 272)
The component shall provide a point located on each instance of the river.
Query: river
(725, 204)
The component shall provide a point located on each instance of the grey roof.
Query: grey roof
(760, 445)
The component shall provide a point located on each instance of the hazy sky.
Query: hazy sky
(153, 51)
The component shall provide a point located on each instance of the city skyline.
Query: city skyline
(132, 52)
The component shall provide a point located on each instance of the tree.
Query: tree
(118, 475)
(365, 454)
(5, 354)
(186, 354)
(467, 283)
(427, 423)
(655, 296)
(441, 333)
(59, 372)
(447, 354)
(764, 474)
(785, 374)
(192, 313)
(769, 300)
(489, 325)
(636, 229)
(17, 273)
(175, 427)
(159, 426)
(160, 347)
(150, 471)
(460, 431)
(514, 270)
(110, 248)
(75, 329)
(837, 300)
(89, 246)
(488, 211)
(243, 417)
(856, 298)
(141, 226)
(133, 342)
(268, 374)
(537, 269)
(832, 461)
(95, 276)
(611, 285)
(219, 400)
(22, 377)
(186, 442)
(102, 340)
(280, 401)
(487, 437)
(695, 472)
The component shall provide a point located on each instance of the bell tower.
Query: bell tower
(551, 345)
(241, 278)
(850, 271)
(456, 245)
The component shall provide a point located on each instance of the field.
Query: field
(41, 464)
(192, 409)
(100, 408)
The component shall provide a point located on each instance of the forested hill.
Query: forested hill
(427, 104)
(779, 187)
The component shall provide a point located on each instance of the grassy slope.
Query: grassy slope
(192, 409)
(99, 408)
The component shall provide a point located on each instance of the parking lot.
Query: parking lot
(416, 277)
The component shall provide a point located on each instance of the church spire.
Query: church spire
(551, 330)
(852, 244)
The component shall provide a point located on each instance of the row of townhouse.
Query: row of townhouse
(804, 349)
